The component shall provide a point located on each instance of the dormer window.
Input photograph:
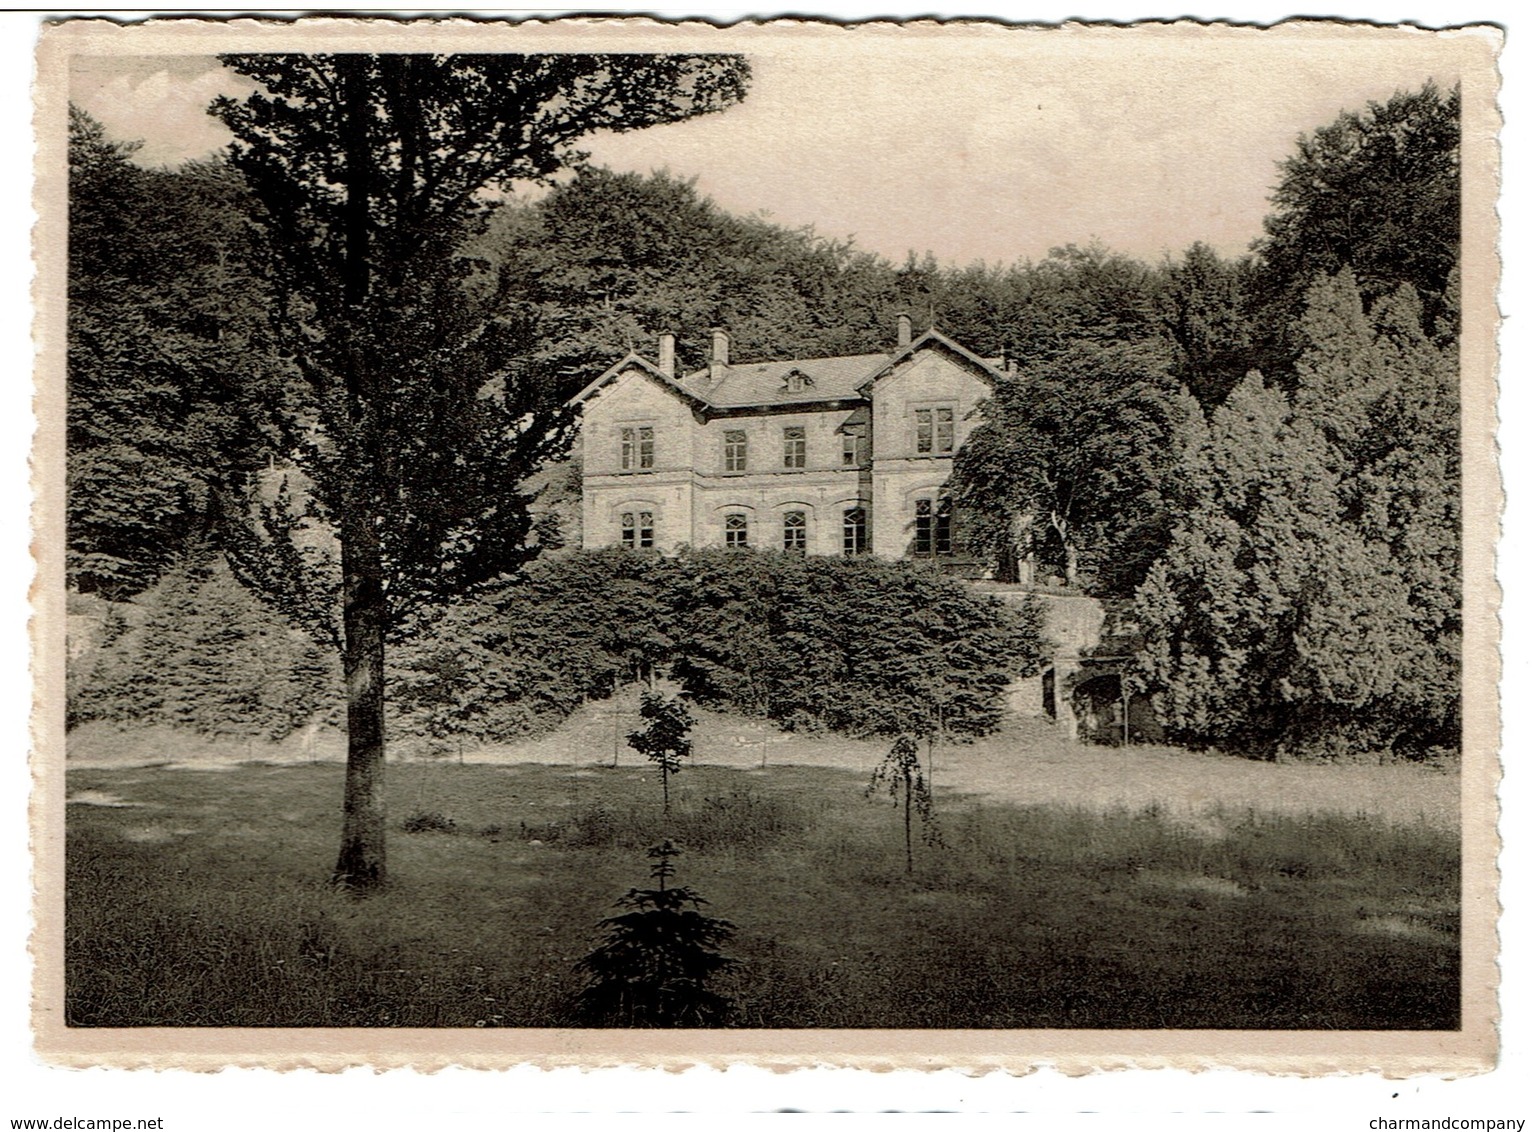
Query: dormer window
(797, 381)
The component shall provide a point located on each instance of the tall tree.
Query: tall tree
(1206, 314)
(1069, 467)
(1377, 191)
(371, 171)
(606, 260)
(1309, 602)
(167, 351)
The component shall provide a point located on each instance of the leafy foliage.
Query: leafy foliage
(1309, 602)
(167, 356)
(1377, 191)
(410, 424)
(1208, 314)
(857, 646)
(197, 651)
(1070, 467)
(664, 738)
(653, 965)
(603, 262)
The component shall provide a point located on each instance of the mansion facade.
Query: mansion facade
(845, 455)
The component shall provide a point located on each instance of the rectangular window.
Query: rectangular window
(735, 450)
(855, 538)
(794, 531)
(794, 448)
(935, 432)
(851, 449)
(932, 534)
(637, 530)
(736, 530)
(637, 447)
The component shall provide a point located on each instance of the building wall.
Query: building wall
(765, 441)
(823, 495)
(689, 493)
(901, 475)
(665, 489)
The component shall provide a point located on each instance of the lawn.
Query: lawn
(197, 897)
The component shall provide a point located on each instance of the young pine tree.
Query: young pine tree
(656, 957)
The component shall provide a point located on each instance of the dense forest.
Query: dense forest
(1259, 453)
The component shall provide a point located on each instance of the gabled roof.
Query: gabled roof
(985, 369)
(650, 370)
(766, 383)
(755, 385)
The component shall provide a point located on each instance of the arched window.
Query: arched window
(855, 531)
(794, 532)
(637, 530)
(736, 529)
(932, 529)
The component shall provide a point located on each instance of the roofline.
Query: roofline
(932, 337)
(651, 370)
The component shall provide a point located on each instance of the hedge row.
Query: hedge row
(856, 646)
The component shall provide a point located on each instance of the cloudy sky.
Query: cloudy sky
(978, 150)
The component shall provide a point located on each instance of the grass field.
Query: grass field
(198, 897)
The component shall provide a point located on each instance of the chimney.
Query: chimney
(903, 331)
(719, 354)
(666, 355)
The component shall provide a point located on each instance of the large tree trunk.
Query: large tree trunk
(364, 610)
(360, 866)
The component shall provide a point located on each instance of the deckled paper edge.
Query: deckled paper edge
(1396, 1054)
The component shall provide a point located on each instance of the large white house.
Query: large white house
(843, 455)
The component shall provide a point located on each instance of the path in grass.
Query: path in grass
(1026, 763)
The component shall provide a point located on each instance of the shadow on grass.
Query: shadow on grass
(205, 905)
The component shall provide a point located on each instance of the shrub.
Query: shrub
(664, 738)
(902, 775)
(429, 821)
(197, 652)
(739, 819)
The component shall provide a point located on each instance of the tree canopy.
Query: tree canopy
(1309, 602)
(167, 355)
(1068, 469)
(1377, 191)
(607, 260)
(371, 172)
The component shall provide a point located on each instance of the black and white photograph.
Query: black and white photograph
(787, 540)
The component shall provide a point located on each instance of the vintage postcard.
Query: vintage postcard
(600, 541)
